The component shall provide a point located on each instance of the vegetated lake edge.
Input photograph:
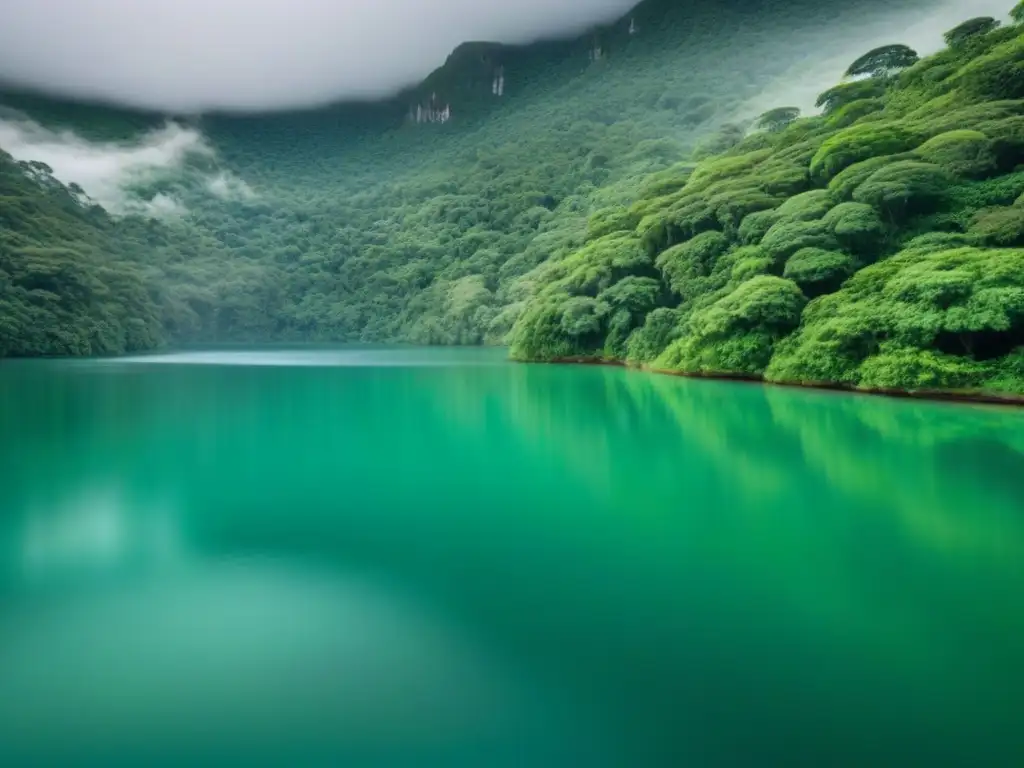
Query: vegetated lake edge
(875, 247)
(937, 395)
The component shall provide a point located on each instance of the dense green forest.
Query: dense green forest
(872, 246)
(618, 201)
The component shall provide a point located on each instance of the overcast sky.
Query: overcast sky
(189, 55)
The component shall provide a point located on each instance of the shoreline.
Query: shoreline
(933, 395)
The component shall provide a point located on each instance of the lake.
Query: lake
(429, 557)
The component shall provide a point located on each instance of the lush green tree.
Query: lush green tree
(962, 153)
(999, 227)
(964, 303)
(1017, 14)
(970, 29)
(901, 189)
(787, 237)
(883, 61)
(774, 120)
(626, 216)
(660, 328)
(844, 94)
(818, 271)
(737, 333)
(686, 265)
(858, 143)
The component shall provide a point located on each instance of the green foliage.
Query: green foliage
(775, 120)
(787, 237)
(660, 328)
(999, 227)
(807, 206)
(581, 316)
(818, 271)
(737, 333)
(966, 31)
(619, 211)
(756, 225)
(898, 323)
(859, 143)
(857, 227)
(848, 114)
(910, 368)
(609, 220)
(963, 153)
(637, 295)
(849, 93)
(902, 189)
(847, 181)
(997, 74)
(685, 266)
(883, 61)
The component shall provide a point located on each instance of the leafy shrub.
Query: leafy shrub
(904, 188)
(858, 143)
(857, 227)
(963, 153)
(806, 206)
(844, 94)
(999, 226)
(686, 264)
(968, 30)
(755, 226)
(736, 334)
(818, 271)
(787, 237)
(967, 303)
(883, 61)
(660, 329)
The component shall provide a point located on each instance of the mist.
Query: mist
(111, 173)
(196, 55)
(921, 31)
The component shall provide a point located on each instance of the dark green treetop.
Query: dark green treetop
(883, 61)
(969, 29)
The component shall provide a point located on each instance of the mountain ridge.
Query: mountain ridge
(562, 214)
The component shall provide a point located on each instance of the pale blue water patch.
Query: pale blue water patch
(332, 356)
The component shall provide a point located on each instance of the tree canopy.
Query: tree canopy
(883, 61)
(619, 210)
(777, 119)
(969, 29)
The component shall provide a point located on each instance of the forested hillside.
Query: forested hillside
(606, 197)
(73, 280)
(874, 246)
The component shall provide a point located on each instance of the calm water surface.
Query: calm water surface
(426, 558)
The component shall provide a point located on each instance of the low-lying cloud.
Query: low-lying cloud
(921, 31)
(195, 55)
(114, 174)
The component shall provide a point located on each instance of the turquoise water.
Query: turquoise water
(406, 557)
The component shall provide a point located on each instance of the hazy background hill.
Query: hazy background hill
(355, 221)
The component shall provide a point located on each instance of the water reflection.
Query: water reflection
(238, 659)
(96, 531)
(689, 572)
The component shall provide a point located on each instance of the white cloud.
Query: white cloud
(111, 173)
(921, 31)
(191, 55)
(228, 187)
